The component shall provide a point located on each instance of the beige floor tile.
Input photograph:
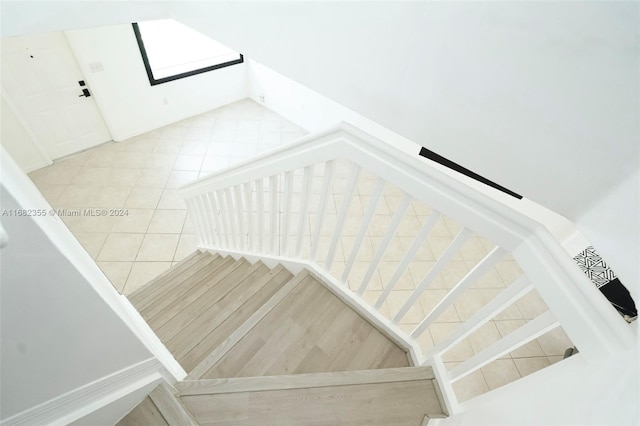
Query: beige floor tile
(528, 366)
(458, 353)
(189, 227)
(529, 350)
(143, 272)
(167, 222)
(500, 372)
(170, 200)
(473, 250)
(491, 279)
(396, 301)
(388, 269)
(75, 159)
(187, 244)
(394, 252)
(84, 196)
(371, 297)
(102, 158)
(158, 247)
(51, 192)
(531, 305)
(430, 298)
(160, 161)
(153, 178)
(135, 221)
(509, 270)
(358, 272)
(188, 162)
(555, 342)
(134, 160)
(92, 176)
(554, 359)
(88, 223)
(92, 242)
(423, 253)
(143, 198)
(54, 175)
(470, 386)
(117, 272)
(473, 299)
(439, 245)
(453, 273)
(180, 177)
(484, 337)
(121, 247)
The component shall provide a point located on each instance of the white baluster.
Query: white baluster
(391, 231)
(472, 276)
(328, 176)
(364, 226)
(531, 330)
(248, 201)
(240, 211)
(224, 215)
(342, 215)
(453, 248)
(275, 212)
(288, 196)
(304, 208)
(196, 221)
(408, 257)
(260, 217)
(207, 227)
(232, 216)
(212, 211)
(498, 304)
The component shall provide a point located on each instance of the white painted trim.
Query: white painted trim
(295, 266)
(84, 400)
(25, 125)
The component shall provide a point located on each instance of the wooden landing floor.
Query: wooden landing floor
(310, 331)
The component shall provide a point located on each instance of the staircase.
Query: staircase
(261, 345)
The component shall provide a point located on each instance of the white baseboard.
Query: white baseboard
(83, 400)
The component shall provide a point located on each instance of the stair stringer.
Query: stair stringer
(295, 266)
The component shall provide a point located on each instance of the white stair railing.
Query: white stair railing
(249, 210)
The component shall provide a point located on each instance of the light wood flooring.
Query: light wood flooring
(225, 318)
(401, 396)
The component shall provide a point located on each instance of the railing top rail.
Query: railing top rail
(319, 147)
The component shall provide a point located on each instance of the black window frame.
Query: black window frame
(147, 65)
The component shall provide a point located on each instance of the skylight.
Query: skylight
(171, 50)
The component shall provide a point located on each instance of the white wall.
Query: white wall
(315, 112)
(16, 140)
(616, 234)
(57, 333)
(129, 104)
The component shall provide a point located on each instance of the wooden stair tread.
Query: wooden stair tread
(269, 284)
(399, 396)
(168, 305)
(298, 381)
(147, 294)
(301, 335)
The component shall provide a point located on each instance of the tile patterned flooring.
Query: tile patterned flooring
(141, 175)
